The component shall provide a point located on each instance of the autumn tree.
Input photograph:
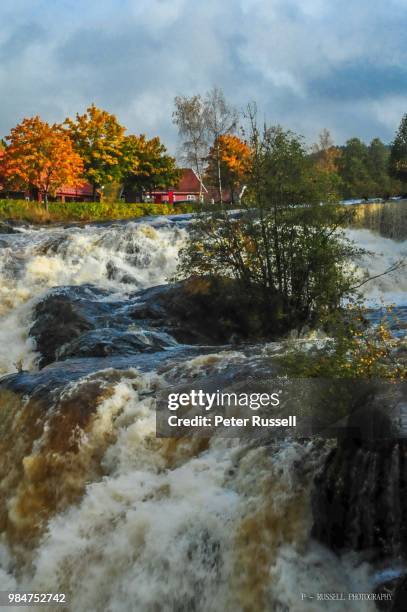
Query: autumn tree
(42, 157)
(220, 119)
(235, 161)
(325, 153)
(190, 118)
(201, 121)
(398, 153)
(326, 157)
(146, 164)
(98, 138)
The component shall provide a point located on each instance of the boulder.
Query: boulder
(74, 322)
(359, 501)
(106, 342)
(6, 228)
(208, 311)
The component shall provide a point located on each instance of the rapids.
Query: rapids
(93, 504)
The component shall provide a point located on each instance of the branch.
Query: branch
(393, 268)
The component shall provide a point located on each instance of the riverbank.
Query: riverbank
(367, 215)
(35, 212)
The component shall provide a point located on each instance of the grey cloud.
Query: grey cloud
(20, 39)
(308, 63)
(360, 80)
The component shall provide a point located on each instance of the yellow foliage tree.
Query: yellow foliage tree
(235, 162)
(41, 156)
(98, 138)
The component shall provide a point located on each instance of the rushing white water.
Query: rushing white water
(174, 528)
(122, 258)
(169, 526)
(382, 253)
(118, 258)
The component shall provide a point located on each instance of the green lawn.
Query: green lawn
(35, 212)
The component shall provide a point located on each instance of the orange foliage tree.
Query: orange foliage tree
(98, 138)
(41, 157)
(325, 154)
(236, 160)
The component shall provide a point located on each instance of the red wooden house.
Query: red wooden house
(81, 193)
(189, 189)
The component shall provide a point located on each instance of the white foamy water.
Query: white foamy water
(169, 526)
(119, 259)
(180, 527)
(123, 258)
(382, 254)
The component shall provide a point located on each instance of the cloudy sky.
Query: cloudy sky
(308, 63)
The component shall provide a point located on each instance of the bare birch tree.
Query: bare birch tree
(220, 118)
(189, 117)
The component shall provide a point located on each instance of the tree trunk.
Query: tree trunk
(94, 192)
(219, 174)
(46, 200)
(198, 173)
(200, 187)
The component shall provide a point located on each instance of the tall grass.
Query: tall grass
(35, 212)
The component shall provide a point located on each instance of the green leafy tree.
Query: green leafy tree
(98, 138)
(378, 165)
(285, 252)
(398, 153)
(146, 165)
(354, 170)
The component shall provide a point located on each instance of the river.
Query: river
(91, 502)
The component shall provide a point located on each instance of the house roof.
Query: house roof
(81, 190)
(189, 182)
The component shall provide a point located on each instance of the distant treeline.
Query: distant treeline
(363, 170)
(213, 141)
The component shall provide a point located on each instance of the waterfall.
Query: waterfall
(93, 504)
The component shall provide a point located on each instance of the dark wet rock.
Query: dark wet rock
(54, 244)
(60, 318)
(392, 594)
(111, 270)
(206, 311)
(115, 273)
(105, 342)
(359, 500)
(7, 228)
(399, 598)
(77, 322)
